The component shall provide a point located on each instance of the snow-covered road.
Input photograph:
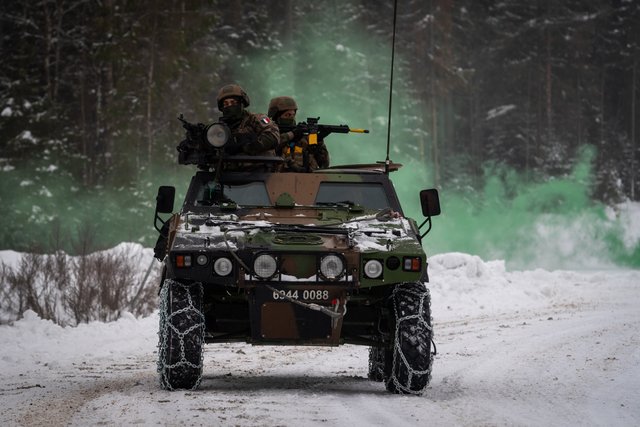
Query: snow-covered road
(514, 348)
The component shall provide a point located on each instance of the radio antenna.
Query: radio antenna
(393, 54)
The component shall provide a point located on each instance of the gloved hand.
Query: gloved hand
(299, 131)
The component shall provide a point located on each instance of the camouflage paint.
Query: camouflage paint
(297, 234)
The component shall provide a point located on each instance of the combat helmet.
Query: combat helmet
(232, 90)
(281, 104)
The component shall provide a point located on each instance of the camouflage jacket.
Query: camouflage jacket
(300, 156)
(262, 133)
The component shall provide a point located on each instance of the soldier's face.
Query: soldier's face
(289, 114)
(231, 109)
(229, 102)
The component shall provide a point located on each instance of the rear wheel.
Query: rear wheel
(181, 335)
(409, 370)
(376, 363)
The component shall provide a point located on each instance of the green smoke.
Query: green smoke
(551, 224)
(46, 211)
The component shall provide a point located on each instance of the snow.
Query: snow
(531, 347)
(44, 191)
(499, 111)
(10, 258)
(629, 215)
(28, 136)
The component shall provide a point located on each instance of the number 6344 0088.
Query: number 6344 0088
(307, 294)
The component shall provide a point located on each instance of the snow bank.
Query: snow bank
(10, 258)
(464, 285)
(52, 281)
(33, 341)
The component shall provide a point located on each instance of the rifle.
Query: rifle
(196, 147)
(194, 136)
(316, 130)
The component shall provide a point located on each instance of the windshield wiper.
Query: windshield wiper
(343, 203)
(351, 206)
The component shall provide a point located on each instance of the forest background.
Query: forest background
(524, 114)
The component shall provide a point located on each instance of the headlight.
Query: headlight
(331, 267)
(218, 134)
(222, 266)
(265, 266)
(373, 269)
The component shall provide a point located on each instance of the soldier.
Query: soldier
(294, 145)
(254, 134)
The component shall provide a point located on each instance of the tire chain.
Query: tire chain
(166, 325)
(418, 293)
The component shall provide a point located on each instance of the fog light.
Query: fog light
(265, 266)
(331, 267)
(373, 269)
(201, 259)
(222, 266)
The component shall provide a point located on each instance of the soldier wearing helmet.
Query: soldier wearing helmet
(294, 145)
(254, 134)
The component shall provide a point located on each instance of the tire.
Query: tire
(376, 363)
(181, 335)
(409, 370)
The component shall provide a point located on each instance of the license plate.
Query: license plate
(301, 294)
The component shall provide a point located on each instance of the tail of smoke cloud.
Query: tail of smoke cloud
(552, 225)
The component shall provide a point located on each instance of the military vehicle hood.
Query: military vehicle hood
(366, 233)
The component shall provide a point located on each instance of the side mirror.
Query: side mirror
(165, 198)
(430, 202)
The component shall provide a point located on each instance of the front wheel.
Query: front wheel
(409, 370)
(181, 334)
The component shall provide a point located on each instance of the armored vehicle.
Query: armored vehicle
(268, 257)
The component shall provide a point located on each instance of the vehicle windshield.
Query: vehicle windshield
(367, 195)
(246, 194)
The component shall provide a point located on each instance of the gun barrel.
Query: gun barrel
(327, 129)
